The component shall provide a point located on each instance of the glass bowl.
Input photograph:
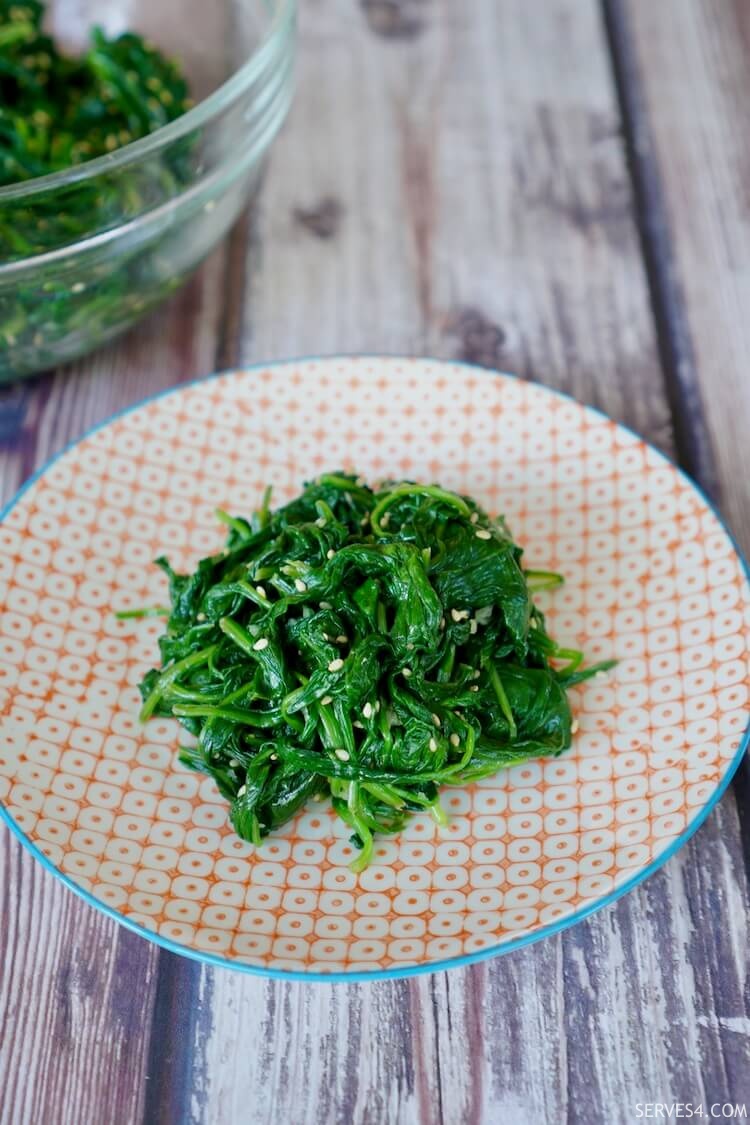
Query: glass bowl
(159, 204)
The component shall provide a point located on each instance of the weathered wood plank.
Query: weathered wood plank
(473, 200)
(692, 68)
(482, 204)
(683, 70)
(72, 1026)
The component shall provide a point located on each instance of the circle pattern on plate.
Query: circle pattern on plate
(651, 578)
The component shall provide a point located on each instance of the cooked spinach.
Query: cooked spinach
(369, 646)
(56, 112)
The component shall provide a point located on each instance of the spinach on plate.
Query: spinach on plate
(369, 647)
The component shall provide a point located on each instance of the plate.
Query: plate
(652, 579)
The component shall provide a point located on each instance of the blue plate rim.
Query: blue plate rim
(397, 972)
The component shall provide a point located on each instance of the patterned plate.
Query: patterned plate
(653, 579)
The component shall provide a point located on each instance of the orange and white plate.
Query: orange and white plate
(652, 579)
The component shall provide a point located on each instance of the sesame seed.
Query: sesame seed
(358, 725)
(377, 707)
(300, 586)
(260, 644)
(442, 622)
(476, 674)
(473, 626)
(336, 665)
(78, 287)
(274, 758)
(200, 617)
(326, 605)
(342, 755)
(475, 517)
(342, 639)
(575, 727)
(365, 520)
(320, 521)
(210, 205)
(455, 740)
(409, 647)
(459, 614)
(483, 534)
(233, 763)
(436, 720)
(367, 710)
(260, 591)
(330, 553)
(242, 791)
(602, 675)
(406, 672)
(433, 745)
(326, 700)
(385, 519)
(474, 688)
(326, 637)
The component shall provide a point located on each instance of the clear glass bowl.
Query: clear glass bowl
(159, 204)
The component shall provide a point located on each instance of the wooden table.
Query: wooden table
(554, 188)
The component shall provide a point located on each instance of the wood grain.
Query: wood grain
(456, 160)
(453, 180)
(694, 81)
(683, 71)
(72, 1026)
